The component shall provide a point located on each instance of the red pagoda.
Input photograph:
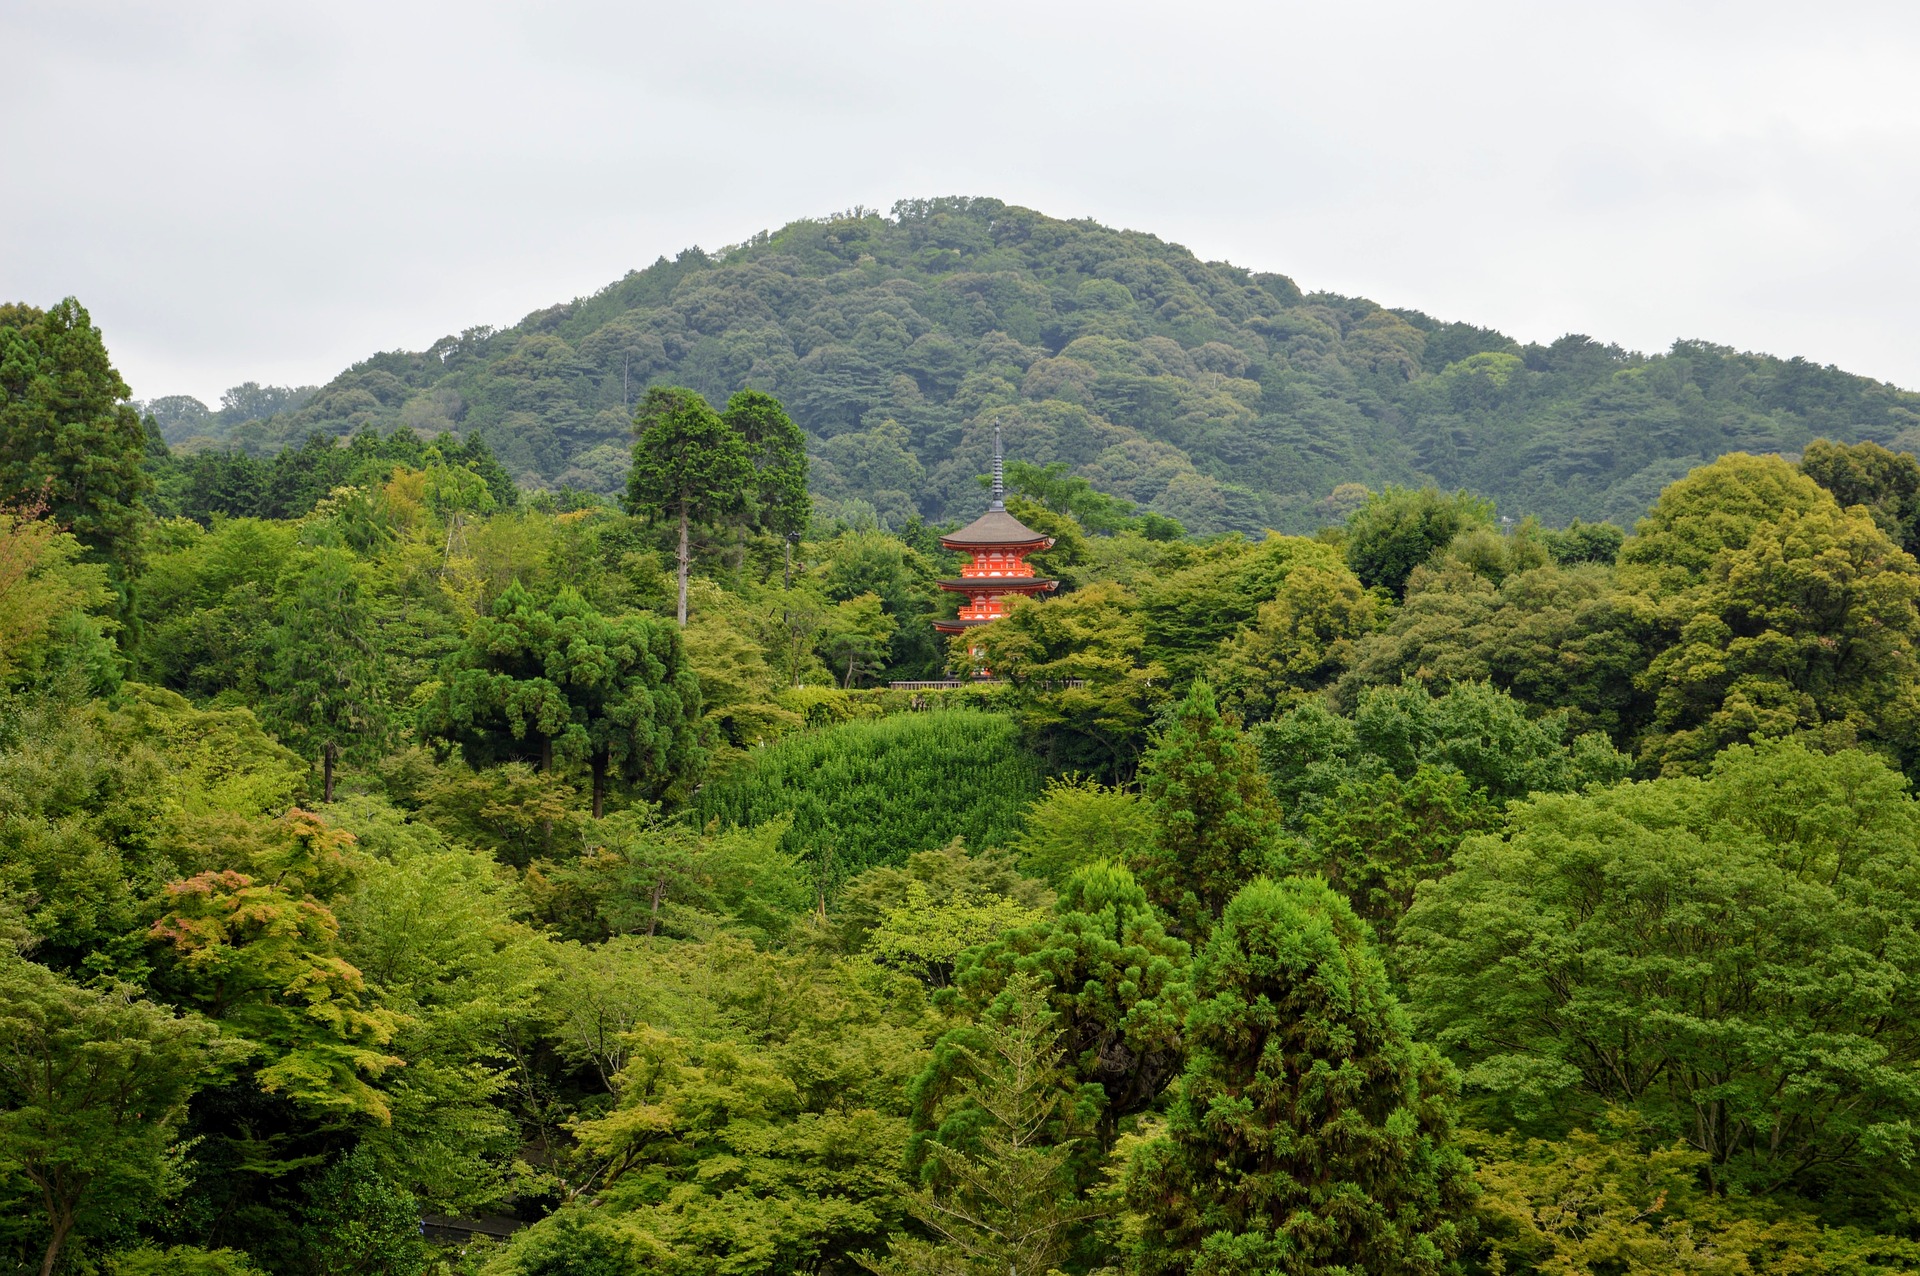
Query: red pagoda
(999, 544)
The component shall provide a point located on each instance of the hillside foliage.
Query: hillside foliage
(406, 871)
(1217, 396)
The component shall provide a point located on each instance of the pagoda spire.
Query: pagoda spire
(997, 544)
(999, 501)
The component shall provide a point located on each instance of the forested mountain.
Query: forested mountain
(403, 873)
(1223, 398)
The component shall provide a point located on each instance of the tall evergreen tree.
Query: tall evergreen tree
(1002, 1198)
(778, 452)
(1215, 824)
(1311, 1135)
(1115, 979)
(324, 676)
(562, 681)
(688, 465)
(67, 435)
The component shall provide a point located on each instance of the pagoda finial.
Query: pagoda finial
(999, 480)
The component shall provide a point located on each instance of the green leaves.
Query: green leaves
(1310, 1133)
(1215, 825)
(92, 1087)
(562, 681)
(1731, 957)
(66, 433)
(1399, 528)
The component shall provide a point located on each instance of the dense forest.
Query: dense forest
(409, 868)
(1223, 399)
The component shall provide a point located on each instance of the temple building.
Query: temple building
(998, 544)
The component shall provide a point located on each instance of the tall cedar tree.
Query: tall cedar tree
(777, 450)
(688, 465)
(1004, 1200)
(1311, 1133)
(1216, 826)
(562, 681)
(67, 434)
(1115, 979)
(324, 677)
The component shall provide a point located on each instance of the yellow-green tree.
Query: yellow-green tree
(1085, 688)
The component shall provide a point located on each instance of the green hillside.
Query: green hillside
(1224, 398)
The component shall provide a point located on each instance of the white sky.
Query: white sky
(272, 191)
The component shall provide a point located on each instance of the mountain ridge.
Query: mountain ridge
(1226, 398)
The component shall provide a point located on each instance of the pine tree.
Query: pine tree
(1311, 1135)
(1216, 825)
(777, 451)
(563, 682)
(688, 465)
(1002, 1200)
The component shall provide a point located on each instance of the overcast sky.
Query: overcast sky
(270, 192)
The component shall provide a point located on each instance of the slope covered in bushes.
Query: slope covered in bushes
(1225, 398)
(871, 791)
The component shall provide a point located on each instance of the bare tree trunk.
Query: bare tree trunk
(683, 565)
(599, 765)
(326, 770)
(849, 681)
(653, 922)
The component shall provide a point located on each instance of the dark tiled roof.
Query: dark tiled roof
(1006, 584)
(995, 527)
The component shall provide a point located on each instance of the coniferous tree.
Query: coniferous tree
(1311, 1135)
(67, 434)
(688, 465)
(1114, 977)
(1002, 1198)
(561, 681)
(324, 675)
(777, 451)
(1216, 826)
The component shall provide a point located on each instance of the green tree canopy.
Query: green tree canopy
(1000, 1198)
(1311, 1133)
(1732, 957)
(562, 681)
(1215, 825)
(777, 450)
(1400, 528)
(1085, 687)
(324, 677)
(67, 435)
(1116, 982)
(1811, 624)
(1886, 482)
(92, 1087)
(689, 465)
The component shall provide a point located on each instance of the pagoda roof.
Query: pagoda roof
(995, 527)
(1003, 584)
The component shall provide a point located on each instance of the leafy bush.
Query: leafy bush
(872, 792)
